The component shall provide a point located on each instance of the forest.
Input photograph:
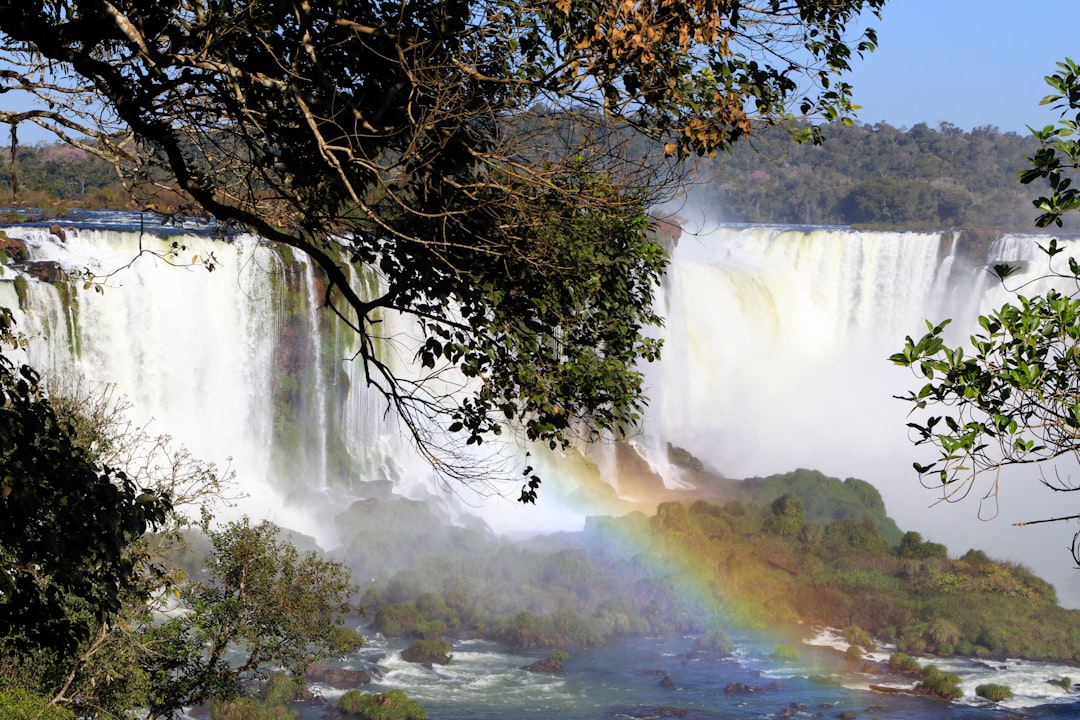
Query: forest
(864, 175)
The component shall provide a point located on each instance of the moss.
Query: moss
(22, 290)
(69, 301)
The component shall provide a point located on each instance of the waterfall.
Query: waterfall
(775, 352)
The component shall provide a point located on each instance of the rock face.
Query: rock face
(45, 270)
(14, 249)
(547, 665)
(337, 678)
(427, 652)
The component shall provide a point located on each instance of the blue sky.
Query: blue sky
(967, 62)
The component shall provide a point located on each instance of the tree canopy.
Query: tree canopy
(68, 524)
(492, 163)
(1016, 398)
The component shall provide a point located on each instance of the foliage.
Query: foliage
(855, 635)
(675, 572)
(391, 705)
(787, 516)
(940, 684)
(789, 653)
(903, 664)
(1016, 398)
(915, 178)
(492, 161)
(68, 525)
(262, 597)
(993, 692)
(247, 708)
(428, 652)
(21, 704)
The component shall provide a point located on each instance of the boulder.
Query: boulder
(337, 678)
(45, 270)
(14, 249)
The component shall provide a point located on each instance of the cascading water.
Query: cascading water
(775, 358)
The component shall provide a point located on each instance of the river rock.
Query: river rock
(337, 678)
(647, 712)
(548, 665)
(58, 232)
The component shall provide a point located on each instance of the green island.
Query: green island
(798, 549)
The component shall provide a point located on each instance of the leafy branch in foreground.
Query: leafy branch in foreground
(1016, 398)
(493, 162)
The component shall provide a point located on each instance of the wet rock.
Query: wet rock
(548, 665)
(667, 682)
(14, 249)
(58, 232)
(648, 712)
(45, 270)
(337, 678)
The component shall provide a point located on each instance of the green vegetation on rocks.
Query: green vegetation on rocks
(391, 705)
(994, 692)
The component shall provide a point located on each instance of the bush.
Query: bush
(993, 692)
(428, 652)
(855, 635)
(786, 652)
(281, 688)
(939, 684)
(904, 664)
(250, 709)
(392, 705)
(19, 704)
(853, 652)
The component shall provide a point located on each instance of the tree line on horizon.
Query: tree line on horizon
(877, 174)
(863, 174)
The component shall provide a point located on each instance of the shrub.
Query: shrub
(281, 688)
(786, 652)
(993, 692)
(392, 705)
(855, 635)
(428, 652)
(1066, 683)
(943, 685)
(19, 704)
(249, 709)
(903, 664)
(853, 652)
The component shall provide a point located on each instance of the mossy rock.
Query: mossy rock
(428, 652)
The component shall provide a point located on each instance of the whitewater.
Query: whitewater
(775, 348)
